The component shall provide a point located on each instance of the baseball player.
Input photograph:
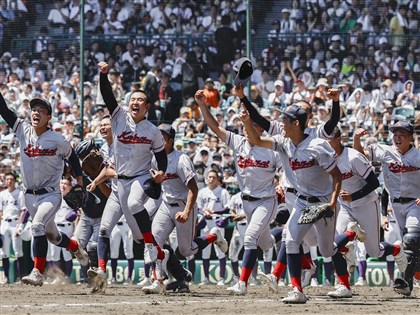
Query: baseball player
(255, 168)
(321, 131)
(359, 204)
(134, 140)
(178, 210)
(64, 219)
(43, 152)
(401, 168)
(311, 164)
(12, 210)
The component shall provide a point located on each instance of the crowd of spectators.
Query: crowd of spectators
(356, 46)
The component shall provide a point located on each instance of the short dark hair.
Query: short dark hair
(148, 101)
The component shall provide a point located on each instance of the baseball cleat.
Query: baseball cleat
(341, 292)
(416, 283)
(402, 287)
(238, 289)
(361, 282)
(34, 278)
(252, 281)
(360, 234)
(178, 286)
(205, 281)
(161, 270)
(145, 282)
(350, 257)
(155, 288)
(150, 253)
(81, 255)
(112, 281)
(327, 283)
(4, 281)
(270, 280)
(401, 258)
(128, 281)
(295, 297)
(282, 283)
(220, 241)
(221, 282)
(97, 278)
(307, 275)
(314, 282)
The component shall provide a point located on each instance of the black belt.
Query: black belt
(242, 223)
(36, 192)
(403, 200)
(120, 223)
(63, 224)
(10, 220)
(309, 199)
(125, 177)
(175, 204)
(291, 190)
(249, 198)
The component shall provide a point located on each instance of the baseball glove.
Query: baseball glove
(75, 197)
(312, 214)
(93, 163)
(152, 189)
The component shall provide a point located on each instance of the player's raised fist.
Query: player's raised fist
(200, 97)
(103, 67)
(360, 132)
(244, 115)
(334, 94)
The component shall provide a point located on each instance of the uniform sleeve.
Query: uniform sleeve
(326, 156)
(225, 198)
(186, 169)
(277, 160)
(200, 203)
(21, 201)
(1, 202)
(65, 149)
(158, 143)
(20, 128)
(377, 152)
(361, 165)
(275, 128)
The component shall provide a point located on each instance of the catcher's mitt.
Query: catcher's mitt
(312, 214)
(75, 197)
(92, 160)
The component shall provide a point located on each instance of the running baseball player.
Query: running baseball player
(64, 219)
(135, 140)
(359, 204)
(321, 131)
(178, 210)
(42, 153)
(12, 210)
(401, 168)
(256, 168)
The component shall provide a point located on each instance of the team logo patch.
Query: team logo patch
(33, 151)
(347, 175)
(297, 165)
(250, 162)
(396, 167)
(128, 137)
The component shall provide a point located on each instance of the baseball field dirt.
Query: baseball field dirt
(73, 299)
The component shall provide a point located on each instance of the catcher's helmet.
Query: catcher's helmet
(84, 148)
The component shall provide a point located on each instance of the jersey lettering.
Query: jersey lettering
(347, 175)
(32, 151)
(250, 162)
(297, 165)
(396, 167)
(128, 138)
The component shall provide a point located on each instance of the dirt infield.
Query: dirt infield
(73, 299)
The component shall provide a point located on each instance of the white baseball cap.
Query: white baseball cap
(279, 83)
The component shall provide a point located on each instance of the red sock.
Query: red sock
(417, 275)
(344, 280)
(102, 264)
(245, 274)
(344, 250)
(296, 283)
(306, 262)
(148, 237)
(211, 238)
(396, 251)
(39, 263)
(73, 245)
(279, 268)
(351, 235)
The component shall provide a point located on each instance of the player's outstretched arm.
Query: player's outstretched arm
(106, 88)
(98, 180)
(8, 115)
(208, 117)
(252, 135)
(329, 126)
(357, 145)
(337, 178)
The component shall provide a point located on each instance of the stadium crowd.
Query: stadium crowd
(369, 50)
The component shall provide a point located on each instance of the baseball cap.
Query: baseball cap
(179, 142)
(243, 69)
(168, 129)
(279, 83)
(184, 110)
(335, 38)
(402, 125)
(297, 113)
(275, 22)
(40, 101)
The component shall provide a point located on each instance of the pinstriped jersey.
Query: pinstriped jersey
(179, 172)
(11, 203)
(401, 172)
(216, 199)
(109, 160)
(42, 156)
(255, 166)
(355, 168)
(134, 143)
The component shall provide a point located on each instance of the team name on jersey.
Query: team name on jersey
(9, 202)
(250, 162)
(396, 167)
(128, 137)
(33, 151)
(297, 165)
(170, 176)
(207, 200)
(347, 175)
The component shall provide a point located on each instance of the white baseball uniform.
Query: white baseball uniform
(63, 226)
(121, 232)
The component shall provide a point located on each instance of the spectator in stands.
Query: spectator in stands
(256, 97)
(226, 42)
(210, 21)
(266, 86)
(278, 97)
(398, 26)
